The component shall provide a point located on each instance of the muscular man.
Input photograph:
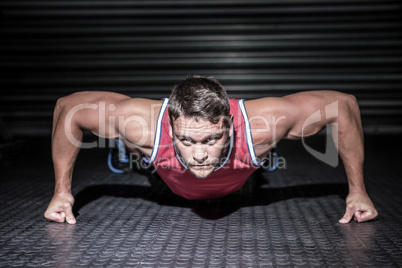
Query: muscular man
(203, 144)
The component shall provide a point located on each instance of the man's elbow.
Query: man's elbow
(68, 101)
(348, 103)
(352, 104)
(349, 114)
(61, 103)
(351, 100)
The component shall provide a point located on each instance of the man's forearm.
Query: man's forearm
(351, 149)
(64, 152)
(351, 144)
(352, 155)
(63, 161)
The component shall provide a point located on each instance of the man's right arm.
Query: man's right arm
(72, 114)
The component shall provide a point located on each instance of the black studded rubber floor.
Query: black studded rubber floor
(288, 217)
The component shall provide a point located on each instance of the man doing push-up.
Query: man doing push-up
(201, 143)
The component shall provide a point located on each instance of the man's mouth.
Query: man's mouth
(201, 166)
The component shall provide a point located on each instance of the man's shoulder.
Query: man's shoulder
(266, 106)
(137, 121)
(270, 119)
(140, 107)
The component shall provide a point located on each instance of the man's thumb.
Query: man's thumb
(347, 217)
(70, 217)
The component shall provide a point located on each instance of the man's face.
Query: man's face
(200, 144)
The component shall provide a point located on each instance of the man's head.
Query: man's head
(199, 115)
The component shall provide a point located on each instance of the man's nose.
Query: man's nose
(200, 155)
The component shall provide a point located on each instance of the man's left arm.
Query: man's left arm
(347, 132)
(344, 116)
(350, 145)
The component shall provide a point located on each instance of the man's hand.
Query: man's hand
(360, 208)
(60, 208)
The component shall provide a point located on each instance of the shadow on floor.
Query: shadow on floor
(253, 193)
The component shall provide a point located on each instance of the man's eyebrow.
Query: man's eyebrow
(217, 135)
(182, 136)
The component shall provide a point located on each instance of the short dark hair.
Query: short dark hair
(199, 97)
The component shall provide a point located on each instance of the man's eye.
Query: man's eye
(186, 141)
(211, 140)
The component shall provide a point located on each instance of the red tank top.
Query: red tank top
(229, 177)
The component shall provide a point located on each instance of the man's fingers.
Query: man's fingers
(368, 215)
(55, 216)
(359, 216)
(60, 208)
(62, 216)
(360, 208)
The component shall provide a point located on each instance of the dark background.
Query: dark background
(255, 48)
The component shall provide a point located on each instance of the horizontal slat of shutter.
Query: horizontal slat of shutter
(256, 48)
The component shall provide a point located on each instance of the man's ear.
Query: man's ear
(231, 125)
(170, 129)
